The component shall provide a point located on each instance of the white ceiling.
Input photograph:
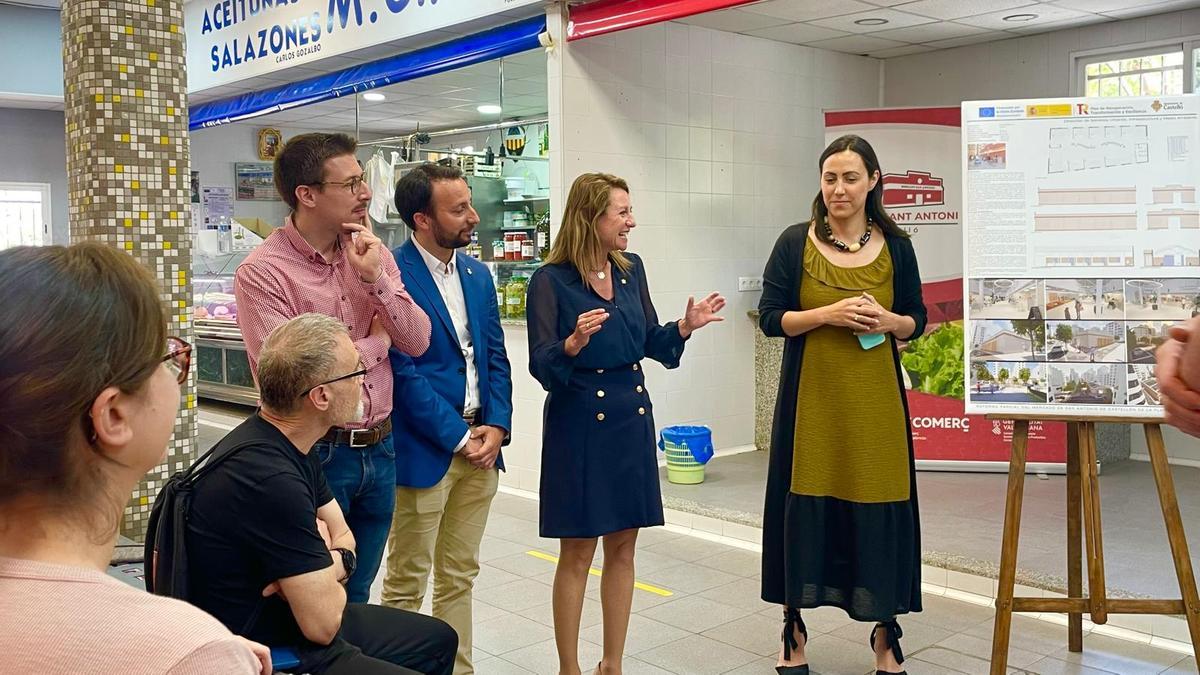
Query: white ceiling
(447, 100)
(887, 28)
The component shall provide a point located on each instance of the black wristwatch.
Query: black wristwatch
(349, 562)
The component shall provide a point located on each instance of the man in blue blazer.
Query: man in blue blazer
(452, 406)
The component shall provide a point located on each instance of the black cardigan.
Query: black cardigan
(781, 293)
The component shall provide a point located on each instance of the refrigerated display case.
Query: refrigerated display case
(504, 210)
(222, 365)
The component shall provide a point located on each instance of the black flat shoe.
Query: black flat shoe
(892, 637)
(791, 623)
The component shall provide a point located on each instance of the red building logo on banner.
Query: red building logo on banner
(915, 188)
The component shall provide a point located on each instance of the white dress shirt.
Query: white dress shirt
(445, 276)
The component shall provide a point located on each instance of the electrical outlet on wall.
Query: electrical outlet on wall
(749, 284)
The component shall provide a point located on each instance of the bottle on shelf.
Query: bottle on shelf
(224, 235)
(512, 246)
(542, 228)
(498, 249)
(514, 297)
(474, 249)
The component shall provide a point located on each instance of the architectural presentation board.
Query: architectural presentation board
(1081, 248)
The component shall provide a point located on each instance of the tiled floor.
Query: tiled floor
(962, 515)
(711, 620)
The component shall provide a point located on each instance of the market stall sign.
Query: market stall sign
(232, 40)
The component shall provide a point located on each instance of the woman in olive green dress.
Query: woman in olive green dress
(840, 526)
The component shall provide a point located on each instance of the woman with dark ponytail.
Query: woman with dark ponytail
(841, 526)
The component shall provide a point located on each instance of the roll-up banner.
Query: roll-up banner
(919, 152)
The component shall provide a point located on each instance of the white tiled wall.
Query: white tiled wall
(1033, 66)
(718, 135)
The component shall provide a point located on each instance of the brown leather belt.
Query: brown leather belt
(359, 438)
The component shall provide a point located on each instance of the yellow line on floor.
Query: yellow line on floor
(595, 572)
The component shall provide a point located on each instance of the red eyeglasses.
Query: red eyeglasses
(178, 358)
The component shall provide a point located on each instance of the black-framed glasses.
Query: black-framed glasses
(361, 372)
(178, 358)
(353, 185)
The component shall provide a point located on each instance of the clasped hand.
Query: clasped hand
(483, 446)
(862, 314)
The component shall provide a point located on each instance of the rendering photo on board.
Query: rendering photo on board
(1011, 340)
(1086, 383)
(1162, 299)
(1086, 341)
(1006, 298)
(1005, 382)
(1075, 299)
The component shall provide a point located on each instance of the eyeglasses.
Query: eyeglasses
(354, 185)
(362, 371)
(178, 358)
(179, 362)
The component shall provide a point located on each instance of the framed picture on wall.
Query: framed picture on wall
(255, 181)
(269, 142)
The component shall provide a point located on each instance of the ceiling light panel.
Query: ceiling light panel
(1045, 14)
(894, 19)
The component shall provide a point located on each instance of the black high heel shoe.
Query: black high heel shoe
(791, 623)
(892, 636)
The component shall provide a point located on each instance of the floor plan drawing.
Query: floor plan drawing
(1096, 147)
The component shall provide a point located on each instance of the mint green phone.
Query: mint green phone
(869, 341)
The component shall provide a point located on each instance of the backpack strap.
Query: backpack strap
(186, 478)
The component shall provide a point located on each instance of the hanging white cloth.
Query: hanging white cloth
(382, 181)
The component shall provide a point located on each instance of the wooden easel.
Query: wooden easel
(1083, 509)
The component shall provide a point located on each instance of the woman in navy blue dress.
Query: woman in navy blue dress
(591, 323)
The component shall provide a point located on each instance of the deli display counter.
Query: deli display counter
(222, 365)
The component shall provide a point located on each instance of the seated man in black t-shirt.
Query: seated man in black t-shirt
(268, 546)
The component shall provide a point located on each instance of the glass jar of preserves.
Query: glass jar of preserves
(514, 297)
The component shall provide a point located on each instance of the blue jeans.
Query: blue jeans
(363, 481)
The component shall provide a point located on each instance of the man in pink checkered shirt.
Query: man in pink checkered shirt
(325, 259)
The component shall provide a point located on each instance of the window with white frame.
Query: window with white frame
(1152, 70)
(24, 214)
(1195, 70)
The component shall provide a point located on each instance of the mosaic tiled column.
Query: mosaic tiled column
(127, 168)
